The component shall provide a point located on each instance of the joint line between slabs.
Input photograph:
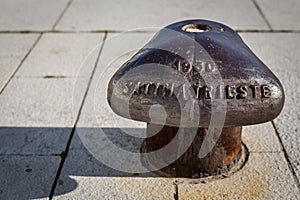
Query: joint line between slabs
(65, 153)
(286, 156)
(262, 14)
(21, 62)
(176, 195)
(62, 14)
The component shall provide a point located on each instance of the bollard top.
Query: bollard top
(201, 73)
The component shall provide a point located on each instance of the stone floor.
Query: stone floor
(56, 58)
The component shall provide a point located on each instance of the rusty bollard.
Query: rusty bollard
(198, 71)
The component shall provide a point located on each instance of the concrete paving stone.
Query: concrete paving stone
(261, 138)
(118, 136)
(115, 15)
(118, 48)
(62, 55)
(81, 161)
(265, 176)
(33, 140)
(282, 15)
(281, 53)
(13, 48)
(18, 15)
(85, 177)
(40, 102)
(116, 188)
(27, 177)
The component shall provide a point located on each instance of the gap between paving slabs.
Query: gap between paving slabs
(40, 142)
(2, 88)
(65, 153)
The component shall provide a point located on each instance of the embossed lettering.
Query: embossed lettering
(219, 93)
(126, 88)
(241, 92)
(253, 90)
(156, 89)
(265, 91)
(186, 67)
(146, 88)
(209, 67)
(197, 91)
(230, 91)
(161, 90)
(207, 92)
(197, 67)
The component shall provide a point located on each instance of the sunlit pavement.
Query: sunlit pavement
(55, 58)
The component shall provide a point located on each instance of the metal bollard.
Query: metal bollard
(198, 71)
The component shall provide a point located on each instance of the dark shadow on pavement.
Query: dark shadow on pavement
(30, 157)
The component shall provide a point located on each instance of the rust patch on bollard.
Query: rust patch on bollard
(221, 158)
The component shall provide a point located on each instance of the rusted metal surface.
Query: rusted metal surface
(223, 155)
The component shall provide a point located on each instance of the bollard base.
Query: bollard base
(223, 154)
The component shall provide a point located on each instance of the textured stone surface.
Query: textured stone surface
(30, 14)
(282, 15)
(27, 177)
(281, 53)
(85, 177)
(35, 109)
(261, 138)
(33, 140)
(40, 102)
(113, 15)
(13, 48)
(116, 188)
(83, 162)
(118, 48)
(62, 55)
(265, 176)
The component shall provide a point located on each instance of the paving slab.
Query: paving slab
(118, 48)
(62, 55)
(282, 15)
(27, 177)
(18, 15)
(280, 52)
(261, 138)
(85, 177)
(40, 102)
(117, 188)
(33, 140)
(115, 15)
(13, 48)
(265, 176)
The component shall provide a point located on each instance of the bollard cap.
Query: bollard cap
(199, 66)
